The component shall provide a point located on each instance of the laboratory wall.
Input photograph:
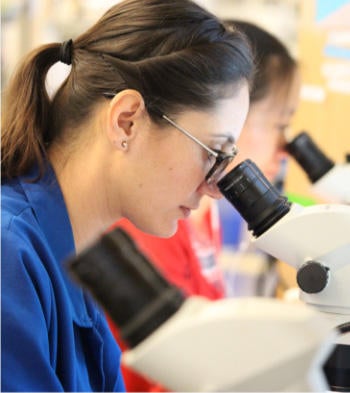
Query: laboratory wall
(324, 56)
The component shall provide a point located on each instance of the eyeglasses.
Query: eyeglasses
(222, 159)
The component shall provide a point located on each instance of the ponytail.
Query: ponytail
(175, 53)
(26, 113)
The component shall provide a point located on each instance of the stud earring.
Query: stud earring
(124, 144)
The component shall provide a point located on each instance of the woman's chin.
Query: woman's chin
(163, 229)
(166, 231)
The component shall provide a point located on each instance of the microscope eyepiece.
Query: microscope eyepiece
(127, 285)
(253, 196)
(314, 162)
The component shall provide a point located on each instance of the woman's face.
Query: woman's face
(165, 175)
(263, 135)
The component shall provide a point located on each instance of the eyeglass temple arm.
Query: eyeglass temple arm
(212, 152)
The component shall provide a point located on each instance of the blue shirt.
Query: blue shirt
(53, 337)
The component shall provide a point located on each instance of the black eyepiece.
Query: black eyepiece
(254, 197)
(314, 162)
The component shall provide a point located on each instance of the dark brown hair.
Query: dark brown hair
(175, 53)
(274, 64)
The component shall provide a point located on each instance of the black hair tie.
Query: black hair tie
(66, 51)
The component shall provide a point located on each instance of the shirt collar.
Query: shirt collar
(49, 207)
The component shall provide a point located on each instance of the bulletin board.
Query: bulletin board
(324, 109)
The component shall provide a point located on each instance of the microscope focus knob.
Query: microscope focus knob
(312, 277)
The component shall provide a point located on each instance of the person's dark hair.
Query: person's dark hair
(176, 54)
(272, 58)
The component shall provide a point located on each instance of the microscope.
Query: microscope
(235, 344)
(315, 240)
(330, 181)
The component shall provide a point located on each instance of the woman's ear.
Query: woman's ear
(126, 108)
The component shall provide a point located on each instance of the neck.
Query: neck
(85, 195)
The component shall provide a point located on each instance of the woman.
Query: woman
(142, 128)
